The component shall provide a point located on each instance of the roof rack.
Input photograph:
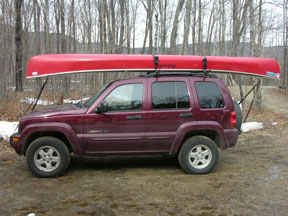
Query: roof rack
(164, 72)
(200, 73)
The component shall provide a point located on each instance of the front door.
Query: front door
(121, 128)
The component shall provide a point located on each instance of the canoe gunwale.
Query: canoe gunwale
(201, 71)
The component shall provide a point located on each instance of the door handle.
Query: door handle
(136, 117)
(186, 115)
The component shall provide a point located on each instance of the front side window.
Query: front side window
(209, 95)
(125, 98)
(170, 95)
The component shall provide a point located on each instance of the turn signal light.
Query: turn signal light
(15, 139)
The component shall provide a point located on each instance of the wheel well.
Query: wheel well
(55, 134)
(213, 135)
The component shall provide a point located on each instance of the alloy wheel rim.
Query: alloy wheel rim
(200, 156)
(47, 158)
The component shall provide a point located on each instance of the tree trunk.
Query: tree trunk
(163, 27)
(112, 5)
(122, 26)
(128, 27)
(199, 50)
(259, 45)
(18, 46)
(187, 20)
(259, 89)
(284, 72)
(174, 32)
(145, 35)
(223, 29)
(194, 28)
(150, 25)
(252, 29)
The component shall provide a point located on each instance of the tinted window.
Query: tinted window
(209, 95)
(125, 98)
(170, 95)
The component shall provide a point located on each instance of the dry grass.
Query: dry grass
(267, 117)
(10, 107)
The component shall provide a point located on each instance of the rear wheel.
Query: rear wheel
(198, 155)
(48, 157)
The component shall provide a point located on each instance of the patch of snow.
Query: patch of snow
(39, 102)
(31, 214)
(251, 126)
(45, 102)
(75, 101)
(274, 123)
(7, 129)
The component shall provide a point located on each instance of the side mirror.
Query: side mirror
(102, 108)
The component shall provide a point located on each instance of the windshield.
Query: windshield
(91, 100)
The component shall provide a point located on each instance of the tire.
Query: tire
(238, 115)
(198, 155)
(47, 157)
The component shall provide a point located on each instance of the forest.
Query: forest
(257, 28)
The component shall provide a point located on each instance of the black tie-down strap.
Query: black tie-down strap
(252, 102)
(40, 92)
(204, 62)
(156, 62)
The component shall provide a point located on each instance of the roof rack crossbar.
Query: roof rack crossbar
(177, 73)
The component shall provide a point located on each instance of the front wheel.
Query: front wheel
(198, 155)
(47, 157)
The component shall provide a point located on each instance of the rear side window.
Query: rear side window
(209, 95)
(170, 95)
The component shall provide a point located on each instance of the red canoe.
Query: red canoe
(54, 64)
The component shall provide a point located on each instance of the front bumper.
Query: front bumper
(17, 146)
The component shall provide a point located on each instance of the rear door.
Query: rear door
(169, 108)
(210, 97)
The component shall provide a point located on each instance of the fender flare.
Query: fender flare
(197, 126)
(63, 128)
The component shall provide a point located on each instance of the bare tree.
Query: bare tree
(117, 26)
(222, 31)
(211, 24)
(199, 50)
(194, 27)
(122, 26)
(18, 46)
(284, 75)
(259, 45)
(186, 26)
(174, 32)
(252, 28)
(239, 24)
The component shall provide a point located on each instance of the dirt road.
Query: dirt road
(249, 179)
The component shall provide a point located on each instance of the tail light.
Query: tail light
(232, 119)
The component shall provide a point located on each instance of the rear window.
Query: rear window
(209, 95)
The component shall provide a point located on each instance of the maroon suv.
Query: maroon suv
(184, 115)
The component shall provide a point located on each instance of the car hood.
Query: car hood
(67, 109)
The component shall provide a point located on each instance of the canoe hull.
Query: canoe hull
(56, 64)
